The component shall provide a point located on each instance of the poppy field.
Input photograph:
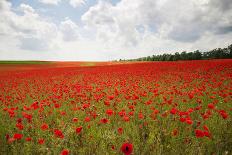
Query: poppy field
(182, 107)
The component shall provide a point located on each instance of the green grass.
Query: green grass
(24, 62)
(88, 64)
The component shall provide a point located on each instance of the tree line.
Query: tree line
(218, 53)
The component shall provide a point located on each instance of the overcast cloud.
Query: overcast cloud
(111, 29)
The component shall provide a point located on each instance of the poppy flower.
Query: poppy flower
(18, 136)
(28, 139)
(44, 126)
(19, 126)
(7, 136)
(189, 121)
(211, 106)
(111, 97)
(75, 119)
(182, 119)
(141, 116)
(207, 134)
(127, 148)
(173, 111)
(79, 129)
(104, 120)
(41, 141)
(120, 130)
(109, 112)
(223, 114)
(64, 152)
(199, 133)
(87, 119)
(126, 118)
(58, 133)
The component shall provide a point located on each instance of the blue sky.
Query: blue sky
(90, 30)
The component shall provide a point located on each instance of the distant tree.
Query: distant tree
(217, 53)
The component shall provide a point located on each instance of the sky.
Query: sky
(103, 30)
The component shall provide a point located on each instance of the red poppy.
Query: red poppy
(109, 112)
(75, 119)
(58, 133)
(207, 134)
(206, 128)
(120, 130)
(223, 114)
(87, 119)
(104, 120)
(18, 136)
(44, 126)
(79, 129)
(182, 119)
(28, 139)
(189, 121)
(126, 118)
(199, 133)
(127, 148)
(111, 97)
(19, 126)
(211, 106)
(41, 141)
(173, 111)
(141, 116)
(64, 152)
(7, 136)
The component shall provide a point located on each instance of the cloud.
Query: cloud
(31, 31)
(50, 2)
(76, 3)
(106, 31)
(183, 21)
(69, 30)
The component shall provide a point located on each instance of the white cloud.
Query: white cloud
(128, 29)
(26, 8)
(69, 30)
(50, 2)
(31, 31)
(76, 3)
(160, 25)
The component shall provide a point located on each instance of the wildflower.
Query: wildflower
(18, 136)
(126, 118)
(189, 121)
(109, 112)
(58, 133)
(44, 126)
(211, 106)
(79, 129)
(199, 133)
(127, 148)
(87, 119)
(64, 152)
(173, 111)
(28, 139)
(141, 116)
(104, 120)
(19, 126)
(75, 119)
(41, 141)
(120, 130)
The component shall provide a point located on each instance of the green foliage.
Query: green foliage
(24, 62)
(218, 53)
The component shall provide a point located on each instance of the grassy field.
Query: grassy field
(24, 62)
(132, 108)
